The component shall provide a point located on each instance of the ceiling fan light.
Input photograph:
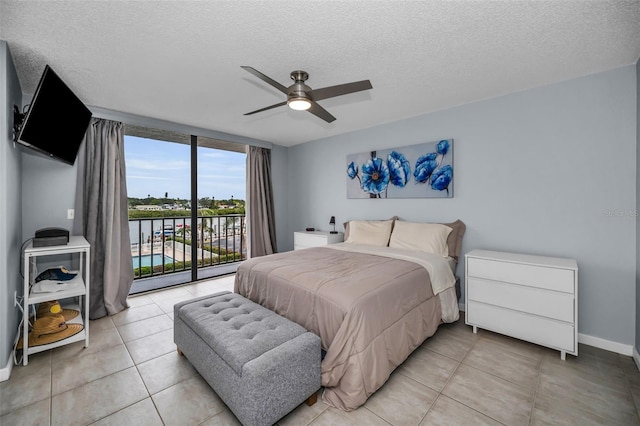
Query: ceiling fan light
(299, 104)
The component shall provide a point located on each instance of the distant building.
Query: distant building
(148, 207)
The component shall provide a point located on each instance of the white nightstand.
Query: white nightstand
(306, 239)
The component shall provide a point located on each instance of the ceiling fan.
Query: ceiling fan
(302, 97)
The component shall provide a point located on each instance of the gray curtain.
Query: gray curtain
(101, 197)
(261, 227)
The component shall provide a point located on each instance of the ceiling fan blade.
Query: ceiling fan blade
(266, 79)
(320, 112)
(266, 108)
(340, 89)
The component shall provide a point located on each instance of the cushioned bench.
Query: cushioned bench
(260, 364)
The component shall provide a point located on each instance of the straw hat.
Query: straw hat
(50, 329)
(53, 307)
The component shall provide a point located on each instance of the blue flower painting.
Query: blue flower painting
(441, 178)
(425, 166)
(352, 170)
(442, 147)
(399, 168)
(415, 171)
(375, 176)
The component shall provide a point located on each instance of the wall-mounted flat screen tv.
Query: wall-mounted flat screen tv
(56, 121)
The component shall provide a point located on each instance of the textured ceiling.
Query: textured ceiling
(180, 61)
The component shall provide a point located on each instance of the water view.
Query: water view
(148, 259)
(164, 239)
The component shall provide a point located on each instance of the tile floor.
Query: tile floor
(131, 374)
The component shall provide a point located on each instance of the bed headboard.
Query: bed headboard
(454, 240)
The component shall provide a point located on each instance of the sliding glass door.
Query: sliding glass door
(221, 187)
(186, 207)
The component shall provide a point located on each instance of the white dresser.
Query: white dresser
(533, 298)
(306, 239)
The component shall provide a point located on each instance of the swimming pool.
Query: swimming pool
(145, 260)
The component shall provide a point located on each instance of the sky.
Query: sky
(155, 167)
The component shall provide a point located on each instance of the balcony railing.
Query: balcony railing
(162, 245)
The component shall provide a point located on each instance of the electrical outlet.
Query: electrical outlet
(15, 298)
(71, 213)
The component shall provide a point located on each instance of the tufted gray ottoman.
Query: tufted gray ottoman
(260, 364)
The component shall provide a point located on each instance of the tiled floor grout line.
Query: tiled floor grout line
(384, 420)
(535, 390)
(319, 414)
(511, 352)
(451, 377)
(84, 384)
(433, 403)
(427, 386)
(150, 395)
(138, 370)
(122, 342)
(117, 411)
(629, 386)
(135, 365)
(448, 379)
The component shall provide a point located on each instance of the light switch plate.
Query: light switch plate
(71, 213)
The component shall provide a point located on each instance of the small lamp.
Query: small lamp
(332, 221)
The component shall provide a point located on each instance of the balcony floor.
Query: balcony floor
(158, 282)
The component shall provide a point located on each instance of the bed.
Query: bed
(372, 299)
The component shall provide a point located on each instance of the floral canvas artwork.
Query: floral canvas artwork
(415, 171)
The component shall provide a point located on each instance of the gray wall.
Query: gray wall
(637, 342)
(10, 206)
(48, 190)
(535, 172)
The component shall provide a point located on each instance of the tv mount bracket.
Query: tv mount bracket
(18, 119)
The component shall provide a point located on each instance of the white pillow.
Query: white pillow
(372, 232)
(428, 237)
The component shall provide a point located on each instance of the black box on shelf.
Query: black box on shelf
(46, 237)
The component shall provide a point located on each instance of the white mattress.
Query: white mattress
(452, 264)
(449, 305)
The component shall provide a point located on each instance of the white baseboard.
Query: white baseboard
(5, 373)
(636, 358)
(607, 345)
(461, 307)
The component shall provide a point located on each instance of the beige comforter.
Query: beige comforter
(370, 311)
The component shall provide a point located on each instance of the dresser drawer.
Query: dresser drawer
(518, 273)
(550, 304)
(535, 329)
